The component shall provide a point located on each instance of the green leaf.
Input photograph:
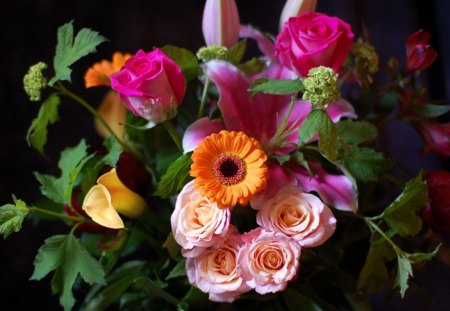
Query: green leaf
(401, 215)
(172, 247)
(175, 177)
(68, 50)
(429, 110)
(420, 257)
(185, 59)
(48, 114)
(404, 271)
(236, 52)
(276, 86)
(12, 216)
(365, 164)
(64, 255)
(374, 273)
(356, 132)
(318, 121)
(252, 66)
(296, 301)
(151, 288)
(70, 163)
(114, 151)
(110, 294)
(178, 270)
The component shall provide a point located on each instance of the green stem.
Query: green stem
(59, 215)
(203, 101)
(370, 223)
(173, 134)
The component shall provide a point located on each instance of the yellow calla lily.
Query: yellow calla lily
(113, 111)
(109, 198)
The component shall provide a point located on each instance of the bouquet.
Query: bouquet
(231, 181)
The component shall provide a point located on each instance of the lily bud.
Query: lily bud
(420, 55)
(221, 23)
(109, 198)
(294, 8)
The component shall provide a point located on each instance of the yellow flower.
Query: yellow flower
(114, 112)
(100, 72)
(109, 198)
(229, 168)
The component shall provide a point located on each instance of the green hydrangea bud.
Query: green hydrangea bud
(367, 54)
(321, 87)
(208, 53)
(34, 81)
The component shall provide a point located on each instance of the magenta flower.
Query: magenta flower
(221, 23)
(420, 55)
(436, 137)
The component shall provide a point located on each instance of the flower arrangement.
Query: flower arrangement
(228, 179)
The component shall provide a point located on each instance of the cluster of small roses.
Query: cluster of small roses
(225, 263)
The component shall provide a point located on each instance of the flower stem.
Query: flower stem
(173, 134)
(203, 101)
(58, 215)
(371, 224)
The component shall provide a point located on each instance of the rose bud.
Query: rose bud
(420, 55)
(151, 85)
(221, 23)
(436, 137)
(294, 8)
(437, 213)
(312, 40)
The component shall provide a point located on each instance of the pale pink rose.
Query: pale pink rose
(196, 221)
(268, 260)
(151, 85)
(215, 270)
(311, 40)
(299, 215)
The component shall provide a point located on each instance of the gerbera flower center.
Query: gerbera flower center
(229, 169)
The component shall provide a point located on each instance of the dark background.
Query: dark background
(28, 35)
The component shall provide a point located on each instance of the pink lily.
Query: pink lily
(260, 116)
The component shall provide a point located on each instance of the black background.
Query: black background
(28, 35)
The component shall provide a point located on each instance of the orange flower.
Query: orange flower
(229, 168)
(99, 73)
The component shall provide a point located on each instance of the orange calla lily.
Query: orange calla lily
(109, 198)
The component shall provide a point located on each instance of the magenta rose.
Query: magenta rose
(311, 40)
(151, 85)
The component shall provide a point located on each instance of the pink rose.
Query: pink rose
(215, 270)
(196, 221)
(151, 85)
(311, 40)
(268, 260)
(299, 215)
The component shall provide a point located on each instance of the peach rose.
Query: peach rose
(299, 215)
(268, 260)
(196, 221)
(215, 271)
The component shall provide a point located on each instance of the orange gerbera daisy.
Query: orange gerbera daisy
(99, 73)
(229, 168)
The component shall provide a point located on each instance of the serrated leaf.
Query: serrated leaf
(420, 257)
(365, 164)
(237, 52)
(356, 132)
(70, 163)
(68, 50)
(178, 270)
(12, 216)
(48, 114)
(401, 215)
(430, 110)
(374, 273)
(318, 121)
(64, 255)
(185, 59)
(175, 177)
(114, 151)
(151, 288)
(276, 86)
(404, 271)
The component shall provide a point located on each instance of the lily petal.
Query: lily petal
(199, 130)
(335, 190)
(265, 45)
(97, 204)
(341, 109)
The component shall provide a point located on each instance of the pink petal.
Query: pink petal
(341, 109)
(335, 190)
(265, 45)
(199, 130)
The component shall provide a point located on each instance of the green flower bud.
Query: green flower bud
(366, 54)
(321, 87)
(208, 53)
(34, 81)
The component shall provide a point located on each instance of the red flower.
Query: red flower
(420, 55)
(437, 213)
(436, 137)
